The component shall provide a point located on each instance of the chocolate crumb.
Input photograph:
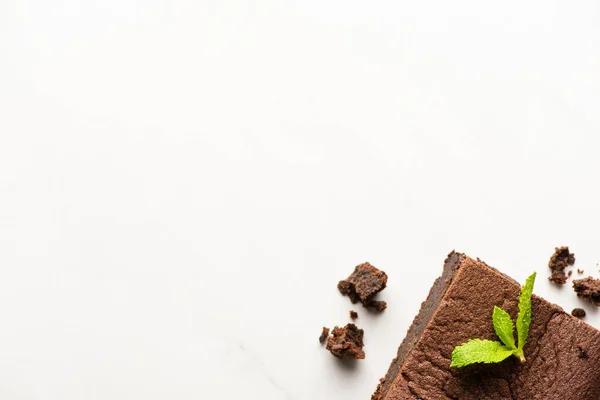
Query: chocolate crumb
(570, 273)
(363, 284)
(346, 342)
(581, 352)
(578, 312)
(353, 314)
(588, 288)
(377, 305)
(580, 271)
(558, 262)
(324, 334)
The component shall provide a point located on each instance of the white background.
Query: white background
(183, 183)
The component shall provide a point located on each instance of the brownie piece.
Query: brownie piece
(588, 288)
(377, 305)
(363, 284)
(558, 262)
(353, 314)
(459, 307)
(324, 334)
(578, 313)
(346, 342)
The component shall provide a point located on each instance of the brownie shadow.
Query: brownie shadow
(589, 308)
(347, 365)
(373, 311)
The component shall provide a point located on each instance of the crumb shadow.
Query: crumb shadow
(347, 365)
(373, 311)
(589, 308)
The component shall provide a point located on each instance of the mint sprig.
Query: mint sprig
(524, 317)
(490, 351)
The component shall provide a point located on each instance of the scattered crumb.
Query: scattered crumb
(578, 312)
(582, 352)
(588, 288)
(363, 284)
(324, 334)
(346, 342)
(570, 273)
(378, 305)
(353, 314)
(558, 262)
(580, 271)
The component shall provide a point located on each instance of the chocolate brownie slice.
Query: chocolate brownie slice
(562, 352)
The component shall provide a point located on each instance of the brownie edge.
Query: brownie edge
(428, 307)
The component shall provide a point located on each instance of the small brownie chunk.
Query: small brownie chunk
(580, 271)
(363, 284)
(324, 334)
(558, 262)
(346, 342)
(578, 312)
(353, 314)
(588, 288)
(378, 305)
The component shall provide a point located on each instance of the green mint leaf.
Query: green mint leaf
(524, 317)
(504, 327)
(479, 351)
(487, 351)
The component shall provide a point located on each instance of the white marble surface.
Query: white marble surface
(183, 183)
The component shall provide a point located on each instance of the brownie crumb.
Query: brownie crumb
(363, 284)
(588, 288)
(582, 352)
(353, 314)
(377, 305)
(346, 342)
(558, 262)
(580, 271)
(324, 334)
(578, 312)
(570, 273)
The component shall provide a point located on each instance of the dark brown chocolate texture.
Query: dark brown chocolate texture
(558, 262)
(363, 284)
(578, 313)
(377, 305)
(581, 351)
(324, 334)
(353, 314)
(588, 289)
(346, 342)
(562, 352)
